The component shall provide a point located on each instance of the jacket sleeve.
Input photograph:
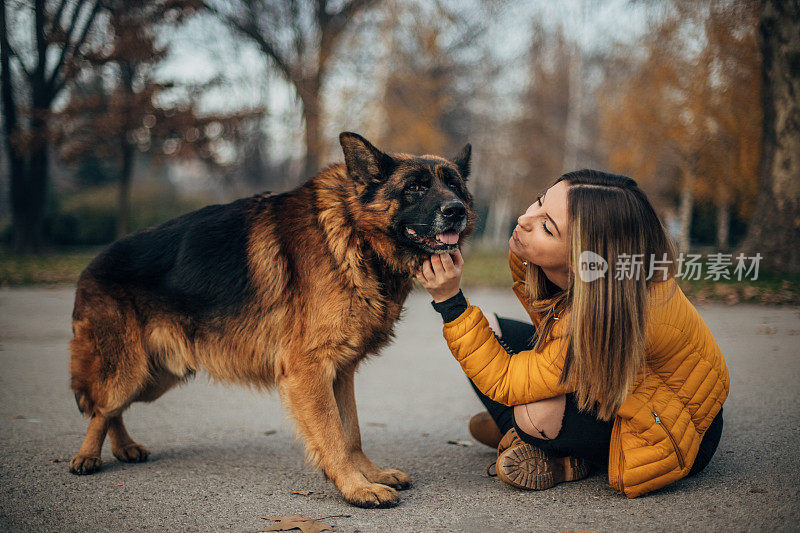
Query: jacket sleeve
(511, 380)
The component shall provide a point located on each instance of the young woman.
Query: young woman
(618, 370)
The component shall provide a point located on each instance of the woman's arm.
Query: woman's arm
(526, 377)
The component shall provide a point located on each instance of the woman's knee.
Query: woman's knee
(542, 419)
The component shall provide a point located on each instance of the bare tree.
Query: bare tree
(774, 231)
(60, 32)
(299, 37)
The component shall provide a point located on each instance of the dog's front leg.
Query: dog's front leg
(344, 390)
(307, 389)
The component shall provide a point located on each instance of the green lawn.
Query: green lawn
(481, 269)
(57, 267)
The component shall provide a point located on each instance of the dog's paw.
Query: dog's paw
(372, 496)
(82, 465)
(392, 477)
(132, 453)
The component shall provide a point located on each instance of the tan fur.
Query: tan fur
(308, 324)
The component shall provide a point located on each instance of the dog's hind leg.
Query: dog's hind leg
(344, 390)
(122, 445)
(307, 390)
(87, 460)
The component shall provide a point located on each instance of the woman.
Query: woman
(618, 369)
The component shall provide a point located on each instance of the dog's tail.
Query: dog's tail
(85, 404)
(84, 354)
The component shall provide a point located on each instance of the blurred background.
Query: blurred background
(121, 114)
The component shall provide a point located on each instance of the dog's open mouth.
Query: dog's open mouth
(441, 242)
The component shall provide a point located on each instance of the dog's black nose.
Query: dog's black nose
(453, 209)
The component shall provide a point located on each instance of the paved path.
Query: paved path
(222, 456)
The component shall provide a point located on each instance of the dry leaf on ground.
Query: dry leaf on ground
(303, 492)
(303, 523)
(767, 330)
(464, 443)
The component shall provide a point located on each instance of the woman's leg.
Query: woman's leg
(581, 435)
(708, 445)
(517, 336)
(568, 431)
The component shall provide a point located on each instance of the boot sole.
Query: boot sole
(527, 467)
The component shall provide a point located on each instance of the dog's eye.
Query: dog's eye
(453, 185)
(415, 187)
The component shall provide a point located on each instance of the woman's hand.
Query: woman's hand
(441, 275)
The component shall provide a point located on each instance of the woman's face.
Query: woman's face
(541, 233)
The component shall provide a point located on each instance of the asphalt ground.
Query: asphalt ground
(222, 456)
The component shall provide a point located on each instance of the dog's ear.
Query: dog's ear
(462, 161)
(365, 163)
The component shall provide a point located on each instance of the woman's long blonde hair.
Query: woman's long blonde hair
(605, 335)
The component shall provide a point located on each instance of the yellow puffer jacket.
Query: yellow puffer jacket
(657, 430)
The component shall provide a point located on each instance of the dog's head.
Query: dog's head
(427, 205)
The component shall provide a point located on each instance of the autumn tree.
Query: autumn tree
(532, 149)
(113, 124)
(685, 112)
(32, 78)
(299, 37)
(774, 230)
(728, 165)
(423, 97)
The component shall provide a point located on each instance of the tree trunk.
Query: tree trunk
(30, 191)
(685, 210)
(127, 151)
(17, 167)
(573, 130)
(309, 90)
(496, 232)
(723, 219)
(774, 231)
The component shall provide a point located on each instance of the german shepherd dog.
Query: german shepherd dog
(291, 289)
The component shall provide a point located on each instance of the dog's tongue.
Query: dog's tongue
(448, 238)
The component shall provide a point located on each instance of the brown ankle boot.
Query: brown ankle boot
(484, 430)
(527, 467)
(509, 439)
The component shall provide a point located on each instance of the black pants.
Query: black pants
(582, 434)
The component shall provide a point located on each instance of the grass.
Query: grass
(62, 266)
(482, 268)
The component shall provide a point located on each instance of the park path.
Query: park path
(223, 456)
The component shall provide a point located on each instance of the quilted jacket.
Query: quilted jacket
(658, 428)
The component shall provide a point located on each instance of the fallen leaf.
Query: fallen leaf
(57, 460)
(377, 424)
(758, 490)
(425, 435)
(270, 432)
(767, 330)
(18, 417)
(303, 492)
(464, 443)
(303, 523)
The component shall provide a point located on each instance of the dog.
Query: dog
(288, 290)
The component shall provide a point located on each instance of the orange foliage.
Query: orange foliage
(688, 102)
